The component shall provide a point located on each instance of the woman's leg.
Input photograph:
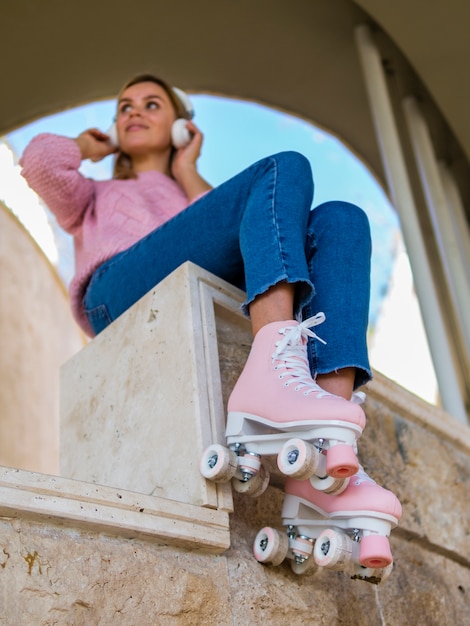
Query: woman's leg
(275, 391)
(339, 252)
(252, 231)
(255, 227)
(275, 305)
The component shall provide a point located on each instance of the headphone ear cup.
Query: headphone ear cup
(180, 135)
(113, 136)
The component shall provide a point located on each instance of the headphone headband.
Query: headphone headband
(180, 134)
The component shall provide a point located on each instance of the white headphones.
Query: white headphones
(180, 135)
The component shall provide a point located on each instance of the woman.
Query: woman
(256, 231)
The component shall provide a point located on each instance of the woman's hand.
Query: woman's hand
(183, 165)
(187, 157)
(94, 144)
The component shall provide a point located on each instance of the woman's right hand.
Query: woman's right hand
(94, 144)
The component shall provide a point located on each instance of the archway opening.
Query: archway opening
(237, 133)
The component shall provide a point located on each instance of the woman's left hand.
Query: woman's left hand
(183, 165)
(188, 156)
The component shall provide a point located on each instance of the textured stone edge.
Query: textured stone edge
(420, 412)
(94, 508)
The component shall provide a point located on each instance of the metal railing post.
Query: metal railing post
(400, 189)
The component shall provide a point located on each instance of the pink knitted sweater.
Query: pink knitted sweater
(104, 217)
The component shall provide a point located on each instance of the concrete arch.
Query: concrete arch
(301, 54)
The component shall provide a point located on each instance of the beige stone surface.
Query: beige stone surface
(38, 335)
(55, 576)
(75, 553)
(423, 455)
(142, 401)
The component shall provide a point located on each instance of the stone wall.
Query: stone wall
(38, 335)
(74, 553)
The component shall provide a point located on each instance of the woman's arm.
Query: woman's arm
(50, 165)
(184, 168)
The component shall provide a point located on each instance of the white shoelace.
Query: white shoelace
(291, 352)
(362, 477)
(295, 333)
(294, 358)
(358, 397)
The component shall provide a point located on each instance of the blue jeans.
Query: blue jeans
(256, 230)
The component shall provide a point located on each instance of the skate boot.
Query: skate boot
(277, 408)
(348, 531)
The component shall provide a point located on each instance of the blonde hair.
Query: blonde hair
(123, 168)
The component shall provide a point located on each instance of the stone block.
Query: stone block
(141, 402)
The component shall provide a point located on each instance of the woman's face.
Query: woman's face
(144, 119)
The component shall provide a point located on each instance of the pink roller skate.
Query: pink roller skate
(277, 408)
(348, 531)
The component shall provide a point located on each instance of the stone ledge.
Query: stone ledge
(85, 506)
(146, 393)
(420, 412)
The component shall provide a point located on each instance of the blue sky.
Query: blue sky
(237, 134)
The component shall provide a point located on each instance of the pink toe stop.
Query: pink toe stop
(341, 461)
(374, 551)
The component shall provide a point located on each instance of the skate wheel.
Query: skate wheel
(254, 486)
(298, 459)
(328, 484)
(218, 463)
(341, 461)
(270, 546)
(332, 548)
(374, 551)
